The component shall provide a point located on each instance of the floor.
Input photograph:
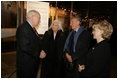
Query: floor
(8, 66)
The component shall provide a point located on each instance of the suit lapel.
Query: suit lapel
(29, 27)
(78, 39)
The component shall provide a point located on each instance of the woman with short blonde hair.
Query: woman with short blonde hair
(97, 61)
(106, 27)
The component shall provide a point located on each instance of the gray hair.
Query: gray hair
(59, 23)
(77, 17)
(32, 13)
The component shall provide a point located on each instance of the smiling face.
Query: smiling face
(55, 26)
(36, 19)
(74, 23)
(97, 33)
(102, 29)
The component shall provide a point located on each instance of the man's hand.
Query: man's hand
(42, 54)
(81, 67)
(69, 58)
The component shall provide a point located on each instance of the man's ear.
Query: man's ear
(79, 22)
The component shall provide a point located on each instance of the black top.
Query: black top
(82, 46)
(97, 61)
(53, 47)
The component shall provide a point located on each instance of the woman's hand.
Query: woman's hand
(42, 54)
(81, 67)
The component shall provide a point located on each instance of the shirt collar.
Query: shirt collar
(30, 24)
(81, 27)
(76, 29)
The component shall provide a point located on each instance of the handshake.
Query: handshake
(42, 54)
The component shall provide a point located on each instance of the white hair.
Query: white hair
(32, 13)
(59, 23)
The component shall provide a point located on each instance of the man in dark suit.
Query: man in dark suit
(76, 47)
(28, 46)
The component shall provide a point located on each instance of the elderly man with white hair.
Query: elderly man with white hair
(28, 46)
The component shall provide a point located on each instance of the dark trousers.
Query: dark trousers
(71, 70)
(27, 70)
(72, 74)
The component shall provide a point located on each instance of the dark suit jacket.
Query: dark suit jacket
(97, 61)
(82, 46)
(52, 63)
(81, 49)
(28, 49)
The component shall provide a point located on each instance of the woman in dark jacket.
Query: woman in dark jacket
(52, 53)
(97, 62)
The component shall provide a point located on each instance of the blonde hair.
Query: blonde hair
(59, 23)
(32, 13)
(106, 27)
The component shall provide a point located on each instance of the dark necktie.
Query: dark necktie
(35, 31)
(72, 42)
